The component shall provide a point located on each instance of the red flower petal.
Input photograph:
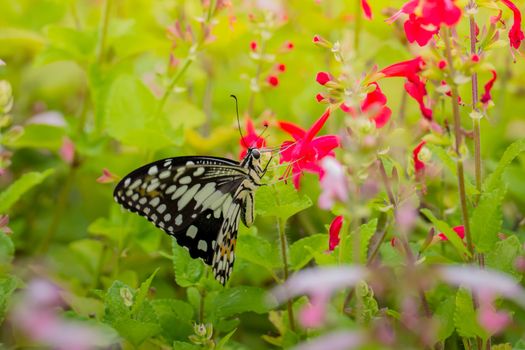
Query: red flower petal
(486, 97)
(335, 228)
(460, 230)
(516, 35)
(273, 80)
(367, 11)
(323, 78)
(419, 166)
(294, 130)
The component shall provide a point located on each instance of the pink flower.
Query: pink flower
(333, 183)
(516, 35)
(425, 17)
(460, 230)
(486, 97)
(306, 151)
(337, 340)
(313, 315)
(67, 151)
(419, 166)
(106, 177)
(335, 228)
(493, 321)
(272, 80)
(250, 139)
(323, 78)
(367, 11)
(4, 221)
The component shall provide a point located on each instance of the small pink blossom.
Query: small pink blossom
(489, 318)
(313, 315)
(107, 177)
(67, 151)
(333, 183)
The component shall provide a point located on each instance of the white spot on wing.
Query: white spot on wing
(152, 186)
(164, 174)
(171, 189)
(161, 208)
(154, 202)
(127, 182)
(199, 171)
(178, 220)
(185, 180)
(185, 199)
(192, 231)
(202, 245)
(167, 217)
(153, 170)
(179, 192)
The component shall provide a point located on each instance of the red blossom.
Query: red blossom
(425, 17)
(306, 151)
(319, 97)
(367, 11)
(281, 67)
(251, 139)
(419, 165)
(442, 64)
(414, 85)
(316, 39)
(486, 97)
(516, 35)
(474, 58)
(460, 230)
(323, 78)
(253, 46)
(272, 80)
(289, 45)
(374, 103)
(335, 228)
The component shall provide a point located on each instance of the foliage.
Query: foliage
(394, 149)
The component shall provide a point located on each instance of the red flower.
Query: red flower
(289, 45)
(335, 228)
(251, 139)
(367, 11)
(374, 102)
(516, 35)
(253, 46)
(442, 64)
(425, 17)
(414, 85)
(272, 80)
(460, 230)
(306, 151)
(323, 78)
(486, 97)
(419, 166)
(281, 67)
(107, 177)
(319, 97)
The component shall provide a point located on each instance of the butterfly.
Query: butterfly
(198, 200)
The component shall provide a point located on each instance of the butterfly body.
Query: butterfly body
(198, 200)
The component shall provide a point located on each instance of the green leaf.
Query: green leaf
(503, 256)
(448, 231)
(280, 201)
(493, 180)
(236, 300)
(116, 306)
(130, 118)
(188, 271)
(21, 186)
(7, 250)
(363, 236)
(465, 319)
(451, 165)
(36, 136)
(258, 251)
(305, 249)
(143, 292)
(444, 316)
(224, 340)
(486, 220)
(136, 332)
(90, 251)
(172, 312)
(185, 115)
(7, 287)
(180, 345)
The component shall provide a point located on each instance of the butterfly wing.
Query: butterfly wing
(190, 198)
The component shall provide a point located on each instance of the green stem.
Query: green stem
(358, 22)
(475, 100)
(174, 81)
(458, 135)
(281, 223)
(104, 23)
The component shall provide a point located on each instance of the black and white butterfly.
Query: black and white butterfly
(198, 200)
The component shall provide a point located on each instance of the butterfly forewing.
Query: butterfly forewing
(195, 199)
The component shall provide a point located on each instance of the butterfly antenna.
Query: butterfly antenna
(238, 119)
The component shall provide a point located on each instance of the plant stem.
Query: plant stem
(174, 81)
(104, 23)
(358, 21)
(281, 223)
(458, 135)
(475, 100)
(388, 188)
